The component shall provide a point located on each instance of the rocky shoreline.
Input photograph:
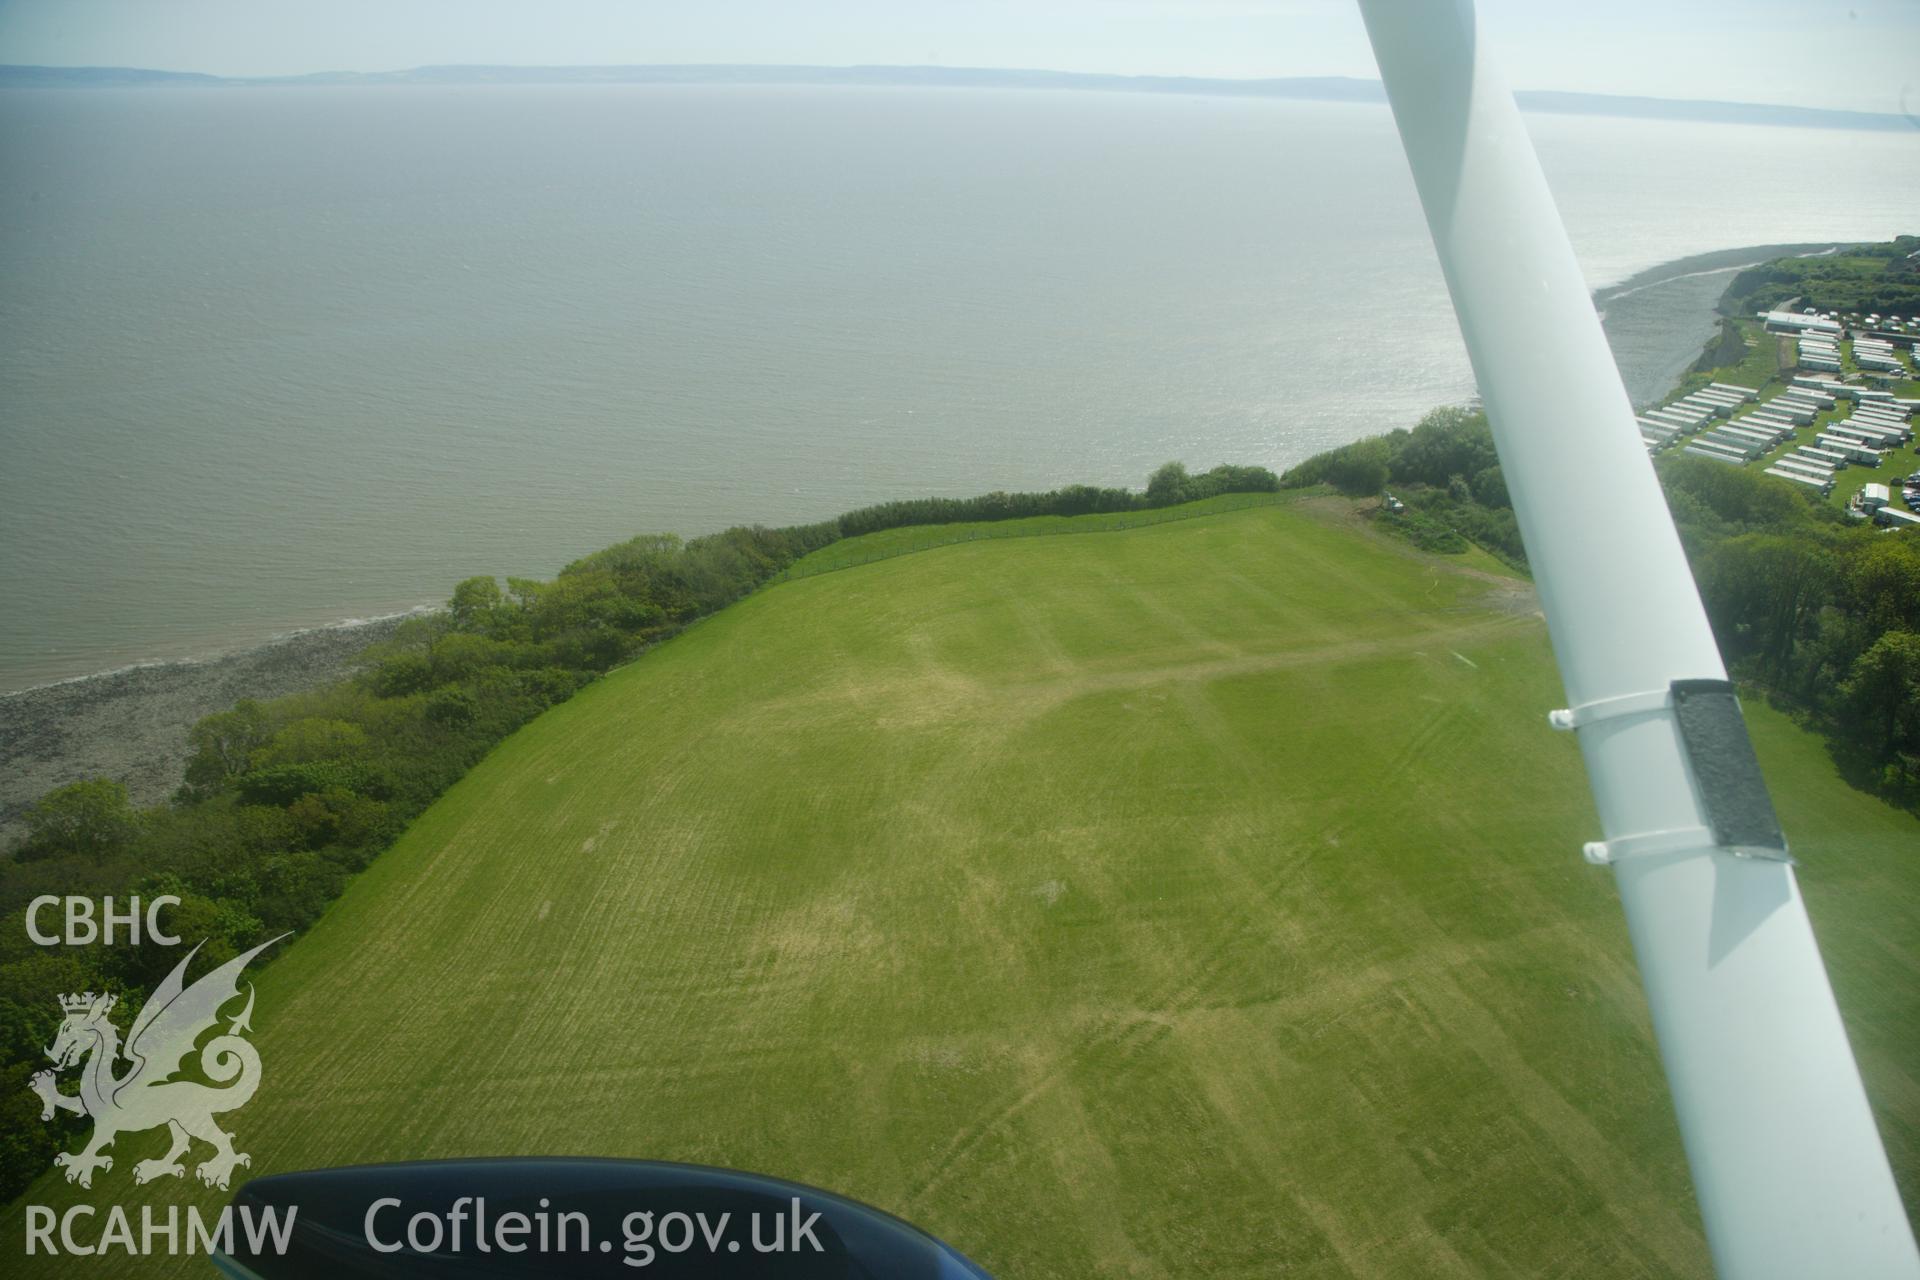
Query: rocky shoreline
(131, 725)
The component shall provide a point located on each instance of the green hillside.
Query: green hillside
(1202, 899)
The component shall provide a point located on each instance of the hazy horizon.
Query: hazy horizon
(1827, 56)
(1066, 79)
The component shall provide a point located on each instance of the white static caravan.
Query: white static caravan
(1707, 440)
(1712, 450)
(1839, 431)
(1890, 437)
(1854, 450)
(1818, 472)
(1879, 444)
(1824, 486)
(1899, 428)
(1822, 480)
(1791, 322)
(1895, 518)
(1747, 449)
(1832, 459)
(1707, 451)
(1761, 440)
(1819, 362)
(1741, 427)
(1798, 414)
(1718, 408)
(1745, 393)
(1859, 432)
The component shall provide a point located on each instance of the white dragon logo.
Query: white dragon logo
(145, 1096)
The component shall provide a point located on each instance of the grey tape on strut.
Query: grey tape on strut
(1739, 810)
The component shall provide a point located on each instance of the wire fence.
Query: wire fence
(1074, 524)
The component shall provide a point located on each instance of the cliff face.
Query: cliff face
(1726, 348)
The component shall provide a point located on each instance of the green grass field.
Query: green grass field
(1200, 900)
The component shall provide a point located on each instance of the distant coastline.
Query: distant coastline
(1310, 88)
(1662, 320)
(1704, 263)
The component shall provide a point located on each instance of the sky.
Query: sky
(1861, 55)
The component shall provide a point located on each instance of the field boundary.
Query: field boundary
(1114, 522)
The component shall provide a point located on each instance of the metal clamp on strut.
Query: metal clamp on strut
(1604, 852)
(1627, 704)
(1726, 773)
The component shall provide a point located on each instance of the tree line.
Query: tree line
(1861, 279)
(283, 801)
(1446, 473)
